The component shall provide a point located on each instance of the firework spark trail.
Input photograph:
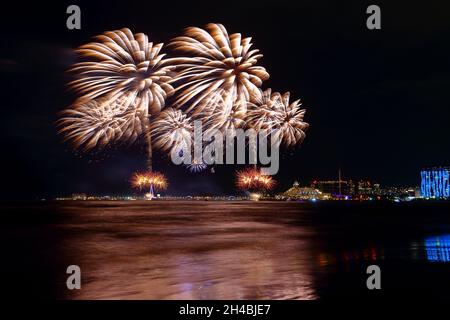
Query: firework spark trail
(216, 62)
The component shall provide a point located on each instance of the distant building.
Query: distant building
(303, 193)
(435, 183)
(364, 188)
(334, 188)
(79, 196)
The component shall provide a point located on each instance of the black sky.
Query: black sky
(377, 101)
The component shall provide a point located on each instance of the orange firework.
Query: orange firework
(141, 180)
(158, 180)
(252, 179)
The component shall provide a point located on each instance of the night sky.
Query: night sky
(377, 101)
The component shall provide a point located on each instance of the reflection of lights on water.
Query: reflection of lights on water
(415, 247)
(351, 258)
(438, 248)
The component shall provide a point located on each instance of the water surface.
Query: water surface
(224, 250)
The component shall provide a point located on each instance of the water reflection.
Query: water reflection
(221, 251)
(438, 248)
(224, 250)
(352, 257)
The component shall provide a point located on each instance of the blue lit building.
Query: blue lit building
(435, 183)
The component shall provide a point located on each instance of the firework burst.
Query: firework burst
(139, 181)
(228, 114)
(124, 79)
(274, 114)
(251, 179)
(172, 129)
(156, 180)
(262, 114)
(126, 67)
(218, 63)
(290, 124)
(95, 124)
(89, 124)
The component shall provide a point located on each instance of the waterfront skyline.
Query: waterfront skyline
(362, 190)
(356, 85)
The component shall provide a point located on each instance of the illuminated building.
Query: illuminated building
(335, 188)
(304, 193)
(435, 183)
(338, 189)
(364, 188)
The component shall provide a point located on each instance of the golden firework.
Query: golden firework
(274, 114)
(156, 180)
(290, 124)
(96, 124)
(172, 129)
(122, 80)
(120, 65)
(215, 63)
(227, 114)
(262, 113)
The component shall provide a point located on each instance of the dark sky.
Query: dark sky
(377, 101)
